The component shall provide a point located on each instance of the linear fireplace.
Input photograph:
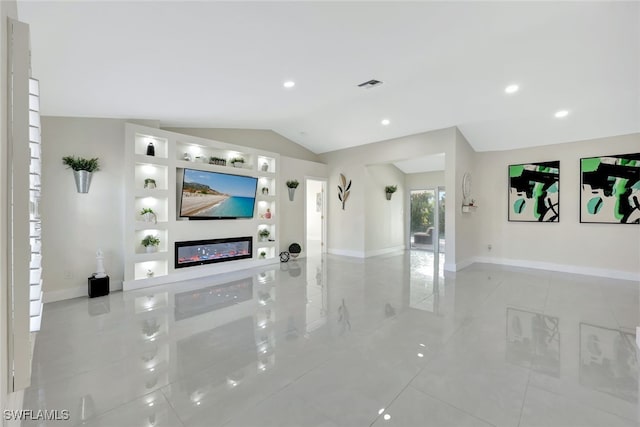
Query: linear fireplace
(199, 252)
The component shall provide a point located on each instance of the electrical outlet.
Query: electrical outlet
(489, 247)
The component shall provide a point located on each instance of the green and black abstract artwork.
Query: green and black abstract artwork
(610, 189)
(534, 192)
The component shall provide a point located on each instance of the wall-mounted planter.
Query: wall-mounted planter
(389, 190)
(292, 185)
(82, 170)
(83, 180)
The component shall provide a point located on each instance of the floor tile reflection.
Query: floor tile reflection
(333, 341)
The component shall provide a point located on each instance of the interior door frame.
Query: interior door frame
(324, 181)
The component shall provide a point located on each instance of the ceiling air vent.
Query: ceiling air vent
(370, 84)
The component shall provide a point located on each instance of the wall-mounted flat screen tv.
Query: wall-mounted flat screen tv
(215, 195)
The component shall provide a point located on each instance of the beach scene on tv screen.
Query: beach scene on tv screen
(217, 195)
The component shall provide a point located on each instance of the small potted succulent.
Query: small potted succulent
(389, 190)
(82, 170)
(263, 254)
(150, 242)
(291, 186)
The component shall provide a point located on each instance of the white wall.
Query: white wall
(262, 139)
(467, 224)
(424, 180)
(292, 216)
(75, 225)
(347, 227)
(601, 249)
(384, 219)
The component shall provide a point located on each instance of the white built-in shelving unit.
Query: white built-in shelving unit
(164, 167)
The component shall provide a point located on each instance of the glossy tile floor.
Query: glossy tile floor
(343, 342)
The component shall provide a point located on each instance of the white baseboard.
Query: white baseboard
(385, 251)
(347, 252)
(459, 265)
(76, 292)
(563, 268)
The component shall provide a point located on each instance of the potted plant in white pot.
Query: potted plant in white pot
(292, 185)
(149, 215)
(389, 190)
(83, 170)
(150, 242)
(264, 234)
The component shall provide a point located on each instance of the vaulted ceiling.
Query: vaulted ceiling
(442, 64)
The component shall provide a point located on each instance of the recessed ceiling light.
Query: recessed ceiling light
(562, 113)
(289, 84)
(511, 89)
(385, 122)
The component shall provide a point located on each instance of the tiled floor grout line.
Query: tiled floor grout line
(453, 406)
(119, 406)
(526, 389)
(560, 394)
(171, 406)
(289, 384)
(578, 403)
(609, 306)
(524, 396)
(462, 325)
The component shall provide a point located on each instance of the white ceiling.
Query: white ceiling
(222, 64)
(434, 162)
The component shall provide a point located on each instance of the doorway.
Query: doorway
(427, 217)
(315, 216)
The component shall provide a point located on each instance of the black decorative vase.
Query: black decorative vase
(151, 150)
(294, 250)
